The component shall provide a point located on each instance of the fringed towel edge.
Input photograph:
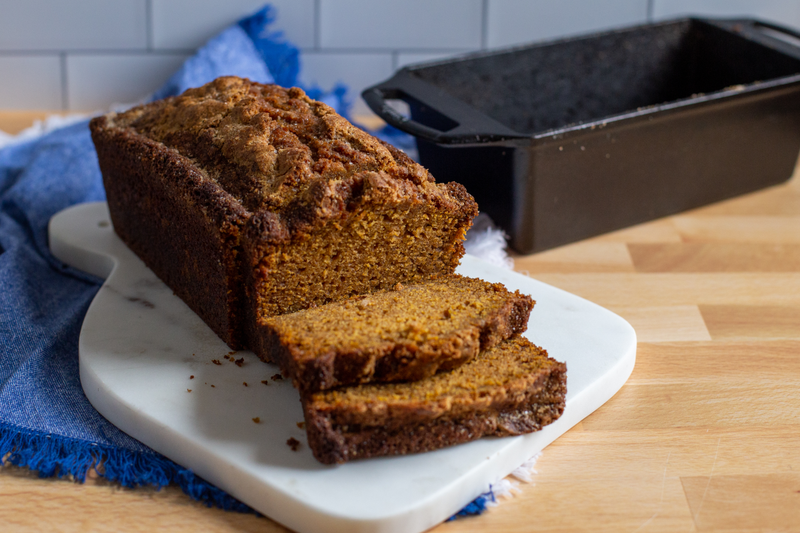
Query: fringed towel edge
(502, 488)
(58, 456)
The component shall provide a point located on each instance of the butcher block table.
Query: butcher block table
(705, 435)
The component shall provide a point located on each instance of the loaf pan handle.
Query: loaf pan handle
(778, 28)
(752, 28)
(472, 126)
(376, 99)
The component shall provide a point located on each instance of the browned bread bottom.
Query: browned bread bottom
(402, 335)
(511, 389)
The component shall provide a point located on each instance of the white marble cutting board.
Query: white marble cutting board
(140, 344)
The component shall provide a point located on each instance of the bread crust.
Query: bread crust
(341, 429)
(182, 225)
(397, 335)
(216, 188)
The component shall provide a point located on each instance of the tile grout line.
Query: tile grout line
(97, 51)
(485, 24)
(64, 94)
(149, 24)
(372, 50)
(317, 24)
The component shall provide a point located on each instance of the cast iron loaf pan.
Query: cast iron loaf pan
(567, 139)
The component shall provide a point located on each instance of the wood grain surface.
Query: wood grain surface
(14, 122)
(705, 436)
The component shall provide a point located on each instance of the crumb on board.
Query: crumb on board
(257, 419)
(188, 390)
(239, 362)
(265, 382)
(216, 361)
(301, 425)
(191, 377)
(293, 443)
(244, 383)
(276, 377)
(213, 386)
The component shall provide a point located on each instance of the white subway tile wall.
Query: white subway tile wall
(187, 24)
(85, 54)
(511, 22)
(58, 25)
(357, 70)
(407, 25)
(30, 82)
(785, 12)
(95, 81)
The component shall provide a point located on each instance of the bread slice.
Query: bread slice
(511, 389)
(406, 334)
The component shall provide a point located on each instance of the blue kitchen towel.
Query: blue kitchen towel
(46, 422)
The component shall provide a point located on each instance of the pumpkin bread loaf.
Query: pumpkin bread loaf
(510, 389)
(404, 334)
(252, 200)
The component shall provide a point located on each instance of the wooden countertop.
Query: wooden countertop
(704, 436)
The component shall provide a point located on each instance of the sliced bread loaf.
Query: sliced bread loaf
(402, 335)
(253, 200)
(510, 389)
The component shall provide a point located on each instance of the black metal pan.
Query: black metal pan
(564, 140)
